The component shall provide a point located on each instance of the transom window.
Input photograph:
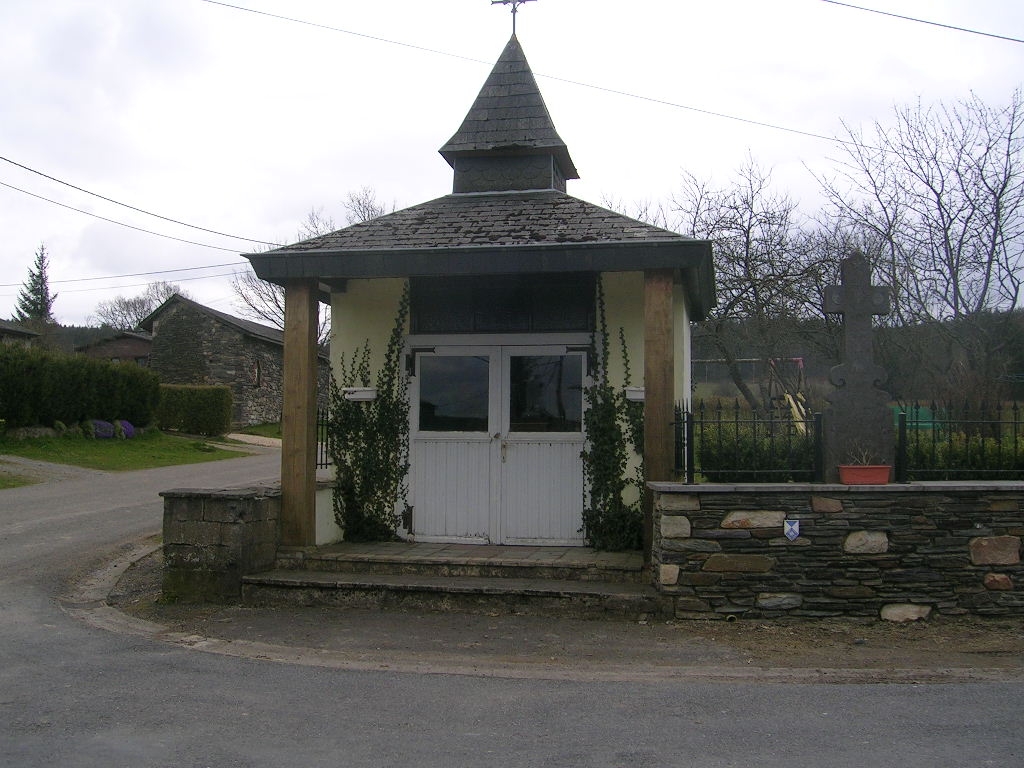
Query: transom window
(502, 304)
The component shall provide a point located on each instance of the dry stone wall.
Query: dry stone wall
(898, 552)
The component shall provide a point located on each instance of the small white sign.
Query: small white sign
(635, 394)
(792, 529)
(359, 394)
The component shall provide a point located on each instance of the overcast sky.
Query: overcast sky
(240, 122)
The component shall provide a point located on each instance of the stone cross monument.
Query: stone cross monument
(858, 421)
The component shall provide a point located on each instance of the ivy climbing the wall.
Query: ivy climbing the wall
(612, 516)
(369, 441)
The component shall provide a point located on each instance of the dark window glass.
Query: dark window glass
(546, 394)
(502, 304)
(453, 393)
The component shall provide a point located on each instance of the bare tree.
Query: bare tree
(762, 274)
(264, 302)
(648, 211)
(362, 205)
(126, 312)
(939, 197)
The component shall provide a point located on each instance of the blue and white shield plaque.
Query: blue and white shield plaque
(791, 529)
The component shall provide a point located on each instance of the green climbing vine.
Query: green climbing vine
(369, 441)
(612, 517)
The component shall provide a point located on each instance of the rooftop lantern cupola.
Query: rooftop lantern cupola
(508, 141)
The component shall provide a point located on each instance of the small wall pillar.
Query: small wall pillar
(212, 538)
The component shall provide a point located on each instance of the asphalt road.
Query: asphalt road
(72, 694)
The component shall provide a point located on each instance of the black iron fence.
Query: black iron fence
(727, 443)
(323, 453)
(724, 443)
(948, 441)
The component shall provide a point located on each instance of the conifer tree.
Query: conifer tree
(35, 302)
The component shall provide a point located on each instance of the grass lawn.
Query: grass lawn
(274, 430)
(263, 430)
(153, 449)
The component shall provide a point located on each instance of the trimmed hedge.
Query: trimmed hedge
(39, 387)
(731, 453)
(198, 410)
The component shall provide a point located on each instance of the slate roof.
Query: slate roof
(10, 328)
(249, 328)
(489, 219)
(509, 114)
(140, 335)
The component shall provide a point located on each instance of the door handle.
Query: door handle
(496, 435)
(504, 448)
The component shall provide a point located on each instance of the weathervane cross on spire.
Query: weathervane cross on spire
(515, 7)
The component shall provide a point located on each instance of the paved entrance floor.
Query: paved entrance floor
(476, 554)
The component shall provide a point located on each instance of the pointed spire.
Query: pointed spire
(509, 119)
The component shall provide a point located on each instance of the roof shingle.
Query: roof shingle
(547, 217)
(509, 113)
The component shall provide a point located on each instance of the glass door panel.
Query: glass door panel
(545, 393)
(454, 393)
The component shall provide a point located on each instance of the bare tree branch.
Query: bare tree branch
(264, 302)
(126, 312)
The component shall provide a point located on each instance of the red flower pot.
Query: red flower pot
(864, 474)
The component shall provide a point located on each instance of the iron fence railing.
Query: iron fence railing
(948, 441)
(722, 442)
(728, 443)
(323, 452)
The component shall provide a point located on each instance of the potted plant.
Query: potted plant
(863, 468)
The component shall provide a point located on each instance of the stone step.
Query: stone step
(568, 564)
(469, 594)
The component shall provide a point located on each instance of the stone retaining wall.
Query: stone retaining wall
(212, 538)
(896, 552)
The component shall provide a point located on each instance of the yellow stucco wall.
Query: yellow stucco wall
(366, 311)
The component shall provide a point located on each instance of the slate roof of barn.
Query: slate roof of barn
(12, 328)
(140, 335)
(247, 327)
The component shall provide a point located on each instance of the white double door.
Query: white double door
(496, 437)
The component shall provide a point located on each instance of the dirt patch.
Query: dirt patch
(875, 647)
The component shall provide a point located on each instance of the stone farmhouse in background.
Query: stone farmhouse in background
(194, 344)
(12, 333)
(122, 347)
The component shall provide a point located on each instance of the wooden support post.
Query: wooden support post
(298, 417)
(659, 388)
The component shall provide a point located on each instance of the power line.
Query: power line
(114, 221)
(363, 35)
(579, 83)
(135, 274)
(629, 94)
(687, 107)
(131, 285)
(140, 285)
(925, 21)
(132, 207)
